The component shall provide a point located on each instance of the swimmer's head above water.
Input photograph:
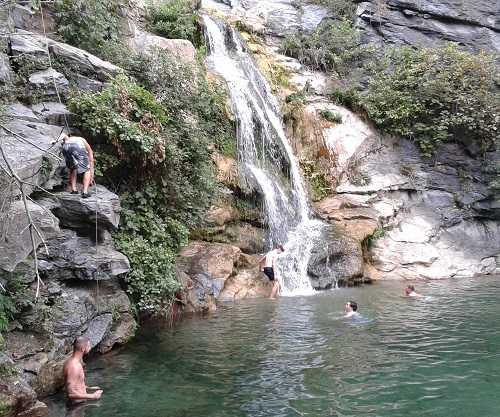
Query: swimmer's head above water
(351, 308)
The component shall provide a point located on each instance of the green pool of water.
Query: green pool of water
(438, 356)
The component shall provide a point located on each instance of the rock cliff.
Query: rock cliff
(413, 217)
(80, 268)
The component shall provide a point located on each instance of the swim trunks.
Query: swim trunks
(76, 156)
(269, 272)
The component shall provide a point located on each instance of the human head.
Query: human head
(281, 248)
(63, 136)
(409, 289)
(81, 344)
(351, 306)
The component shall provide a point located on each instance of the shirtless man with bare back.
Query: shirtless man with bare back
(76, 390)
(268, 266)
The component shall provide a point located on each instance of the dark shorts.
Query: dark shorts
(269, 272)
(76, 158)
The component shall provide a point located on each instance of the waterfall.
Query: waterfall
(266, 158)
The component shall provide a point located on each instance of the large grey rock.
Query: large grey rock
(75, 211)
(273, 17)
(335, 259)
(98, 328)
(72, 257)
(21, 112)
(32, 44)
(15, 241)
(122, 330)
(6, 74)
(48, 80)
(53, 113)
(30, 152)
(438, 216)
(423, 23)
(146, 42)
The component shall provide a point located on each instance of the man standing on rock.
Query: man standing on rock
(269, 267)
(76, 390)
(79, 160)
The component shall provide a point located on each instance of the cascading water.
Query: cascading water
(266, 159)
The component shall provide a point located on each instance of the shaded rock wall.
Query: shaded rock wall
(79, 265)
(475, 24)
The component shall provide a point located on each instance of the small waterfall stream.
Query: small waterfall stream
(266, 158)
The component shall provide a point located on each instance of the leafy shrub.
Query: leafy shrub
(89, 24)
(174, 19)
(192, 98)
(7, 310)
(334, 46)
(153, 139)
(435, 95)
(331, 116)
(318, 182)
(151, 240)
(377, 234)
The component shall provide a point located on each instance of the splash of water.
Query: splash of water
(265, 156)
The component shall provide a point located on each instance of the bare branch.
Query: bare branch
(32, 226)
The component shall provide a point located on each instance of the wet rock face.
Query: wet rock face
(437, 219)
(212, 272)
(474, 24)
(275, 17)
(336, 258)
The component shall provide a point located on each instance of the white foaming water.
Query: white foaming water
(265, 155)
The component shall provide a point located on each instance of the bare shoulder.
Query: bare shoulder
(72, 366)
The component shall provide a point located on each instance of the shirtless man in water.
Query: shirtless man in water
(410, 292)
(269, 268)
(76, 390)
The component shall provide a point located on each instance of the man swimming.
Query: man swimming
(76, 390)
(410, 292)
(269, 268)
(351, 309)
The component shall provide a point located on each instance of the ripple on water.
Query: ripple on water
(437, 356)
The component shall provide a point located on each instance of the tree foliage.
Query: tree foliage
(435, 95)
(334, 46)
(154, 132)
(174, 19)
(89, 24)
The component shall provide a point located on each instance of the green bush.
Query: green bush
(319, 184)
(7, 310)
(174, 19)
(151, 241)
(435, 95)
(331, 116)
(153, 139)
(89, 24)
(335, 46)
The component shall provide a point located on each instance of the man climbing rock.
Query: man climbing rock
(79, 160)
(268, 265)
(74, 376)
